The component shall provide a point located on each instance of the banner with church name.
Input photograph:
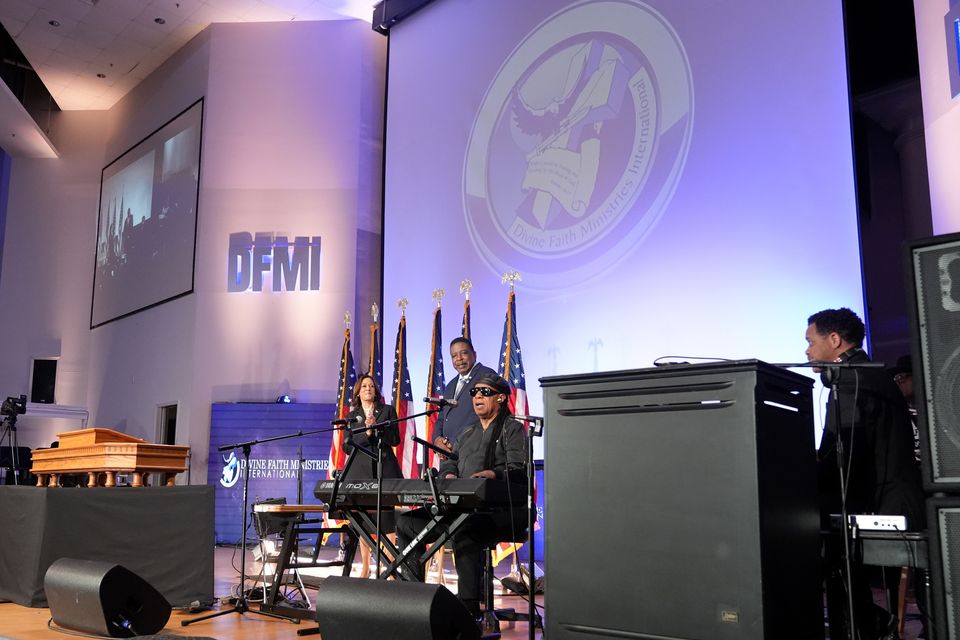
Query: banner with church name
(274, 466)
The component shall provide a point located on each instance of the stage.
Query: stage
(24, 623)
(135, 528)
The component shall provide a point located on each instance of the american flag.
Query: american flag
(436, 377)
(375, 366)
(465, 325)
(348, 378)
(511, 365)
(511, 370)
(403, 402)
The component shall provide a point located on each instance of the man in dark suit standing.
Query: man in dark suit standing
(871, 421)
(453, 420)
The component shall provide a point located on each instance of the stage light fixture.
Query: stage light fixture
(284, 399)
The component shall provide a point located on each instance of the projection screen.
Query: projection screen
(146, 232)
(668, 178)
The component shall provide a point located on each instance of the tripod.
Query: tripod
(10, 433)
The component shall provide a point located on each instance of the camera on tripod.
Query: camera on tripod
(13, 407)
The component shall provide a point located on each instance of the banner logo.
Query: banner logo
(578, 145)
(231, 470)
(287, 266)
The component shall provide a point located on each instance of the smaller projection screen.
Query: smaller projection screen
(146, 230)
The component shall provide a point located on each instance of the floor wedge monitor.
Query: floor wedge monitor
(104, 599)
(354, 609)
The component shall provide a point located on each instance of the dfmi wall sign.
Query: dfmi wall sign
(272, 261)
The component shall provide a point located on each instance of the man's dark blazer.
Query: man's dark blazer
(878, 441)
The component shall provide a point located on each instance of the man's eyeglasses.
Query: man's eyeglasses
(901, 377)
(486, 392)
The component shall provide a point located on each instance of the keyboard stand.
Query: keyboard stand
(288, 558)
(362, 524)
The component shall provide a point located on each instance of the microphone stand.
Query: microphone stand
(534, 430)
(831, 376)
(242, 605)
(300, 462)
(431, 480)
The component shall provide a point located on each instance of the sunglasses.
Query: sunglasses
(486, 392)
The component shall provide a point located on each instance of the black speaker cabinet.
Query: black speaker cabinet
(355, 609)
(943, 521)
(934, 286)
(103, 599)
(43, 382)
(681, 504)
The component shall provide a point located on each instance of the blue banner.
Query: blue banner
(538, 535)
(274, 466)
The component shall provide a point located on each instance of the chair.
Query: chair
(439, 560)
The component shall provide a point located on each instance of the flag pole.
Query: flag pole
(465, 286)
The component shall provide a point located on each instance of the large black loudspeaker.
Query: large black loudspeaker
(943, 521)
(680, 504)
(934, 283)
(355, 609)
(104, 599)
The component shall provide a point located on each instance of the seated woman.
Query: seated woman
(368, 402)
(495, 447)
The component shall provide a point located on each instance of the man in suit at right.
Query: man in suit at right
(869, 418)
(453, 420)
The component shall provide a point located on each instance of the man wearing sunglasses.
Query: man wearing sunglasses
(453, 420)
(493, 447)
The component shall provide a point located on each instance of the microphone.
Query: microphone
(357, 419)
(533, 419)
(452, 455)
(440, 402)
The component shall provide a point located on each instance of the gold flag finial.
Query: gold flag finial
(438, 295)
(512, 277)
(465, 286)
(375, 311)
(402, 305)
(346, 319)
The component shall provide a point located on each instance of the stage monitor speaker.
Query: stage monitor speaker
(104, 599)
(43, 381)
(943, 518)
(934, 284)
(355, 609)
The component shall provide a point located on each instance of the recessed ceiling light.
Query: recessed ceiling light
(101, 75)
(160, 21)
(54, 23)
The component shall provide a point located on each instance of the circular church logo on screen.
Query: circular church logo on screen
(579, 142)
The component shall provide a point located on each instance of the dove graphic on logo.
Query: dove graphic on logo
(231, 471)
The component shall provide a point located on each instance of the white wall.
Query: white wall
(47, 272)
(297, 172)
(941, 115)
(287, 148)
